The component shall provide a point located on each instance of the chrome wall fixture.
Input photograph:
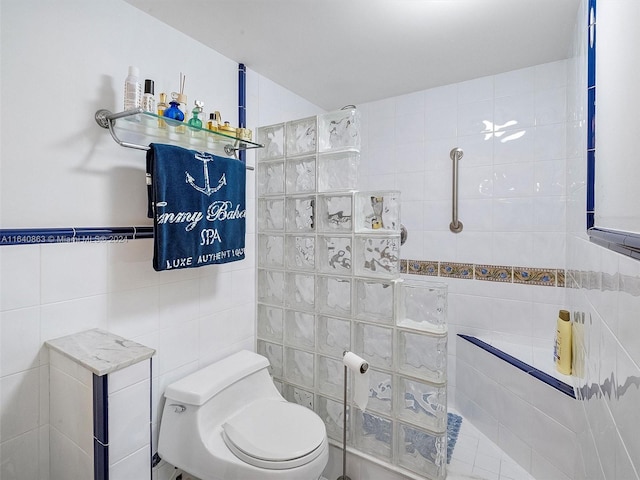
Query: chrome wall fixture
(456, 225)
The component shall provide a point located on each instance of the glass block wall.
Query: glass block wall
(328, 281)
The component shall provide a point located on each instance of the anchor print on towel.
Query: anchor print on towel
(205, 158)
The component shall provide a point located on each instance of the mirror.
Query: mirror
(613, 210)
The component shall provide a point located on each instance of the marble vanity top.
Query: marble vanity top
(99, 351)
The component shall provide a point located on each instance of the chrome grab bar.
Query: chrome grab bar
(456, 225)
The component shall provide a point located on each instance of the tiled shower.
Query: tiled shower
(328, 282)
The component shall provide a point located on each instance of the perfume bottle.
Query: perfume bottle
(162, 106)
(181, 103)
(174, 111)
(194, 121)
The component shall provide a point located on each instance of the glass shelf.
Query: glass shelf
(137, 128)
(152, 125)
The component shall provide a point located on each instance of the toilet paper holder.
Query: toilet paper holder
(357, 364)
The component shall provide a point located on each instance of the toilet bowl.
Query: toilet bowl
(229, 422)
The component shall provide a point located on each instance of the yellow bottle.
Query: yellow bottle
(162, 106)
(578, 347)
(562, 350)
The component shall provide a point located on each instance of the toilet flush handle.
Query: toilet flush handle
(177, 408)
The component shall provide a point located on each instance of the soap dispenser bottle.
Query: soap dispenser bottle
(562, 349)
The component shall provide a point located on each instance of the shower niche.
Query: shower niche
(329, 281)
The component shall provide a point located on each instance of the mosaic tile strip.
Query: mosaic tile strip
(422, 267)
(456, 270)
(549, 277)
(534, 276)
(403, 266)
(494, 273)
(560, 278)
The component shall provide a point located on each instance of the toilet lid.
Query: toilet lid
(269, 432)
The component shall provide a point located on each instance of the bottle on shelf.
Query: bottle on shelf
(132, 89)
(180, 99)
(148, 100)
(562, 349)
(162, 106)
(214, 121)
(194, 121)
(227, 129)
(174, 111)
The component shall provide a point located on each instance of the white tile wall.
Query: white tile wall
(66, 460)
(19, 454)
(71, 417)
(129, 419)
(20, 394)
(512, 128)
(71, 402)
(608, 445)
(131, 466)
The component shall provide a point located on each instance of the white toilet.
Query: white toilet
(229, 422)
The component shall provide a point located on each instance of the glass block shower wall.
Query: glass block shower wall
(328, 281)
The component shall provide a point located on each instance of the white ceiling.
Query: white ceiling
(339, 52)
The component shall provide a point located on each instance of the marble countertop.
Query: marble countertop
(99, 351)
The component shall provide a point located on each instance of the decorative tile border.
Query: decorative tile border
(421, 267)
(560, 278)
(550, 277)
(456, 270)
(493, 273)
(403, 267)
(534, 276)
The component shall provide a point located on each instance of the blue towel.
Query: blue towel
(197, 202)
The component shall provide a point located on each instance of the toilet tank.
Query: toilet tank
(199, 387)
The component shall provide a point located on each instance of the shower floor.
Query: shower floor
(474, 457)
(478, 458)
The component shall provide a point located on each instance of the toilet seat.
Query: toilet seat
(275, 434)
